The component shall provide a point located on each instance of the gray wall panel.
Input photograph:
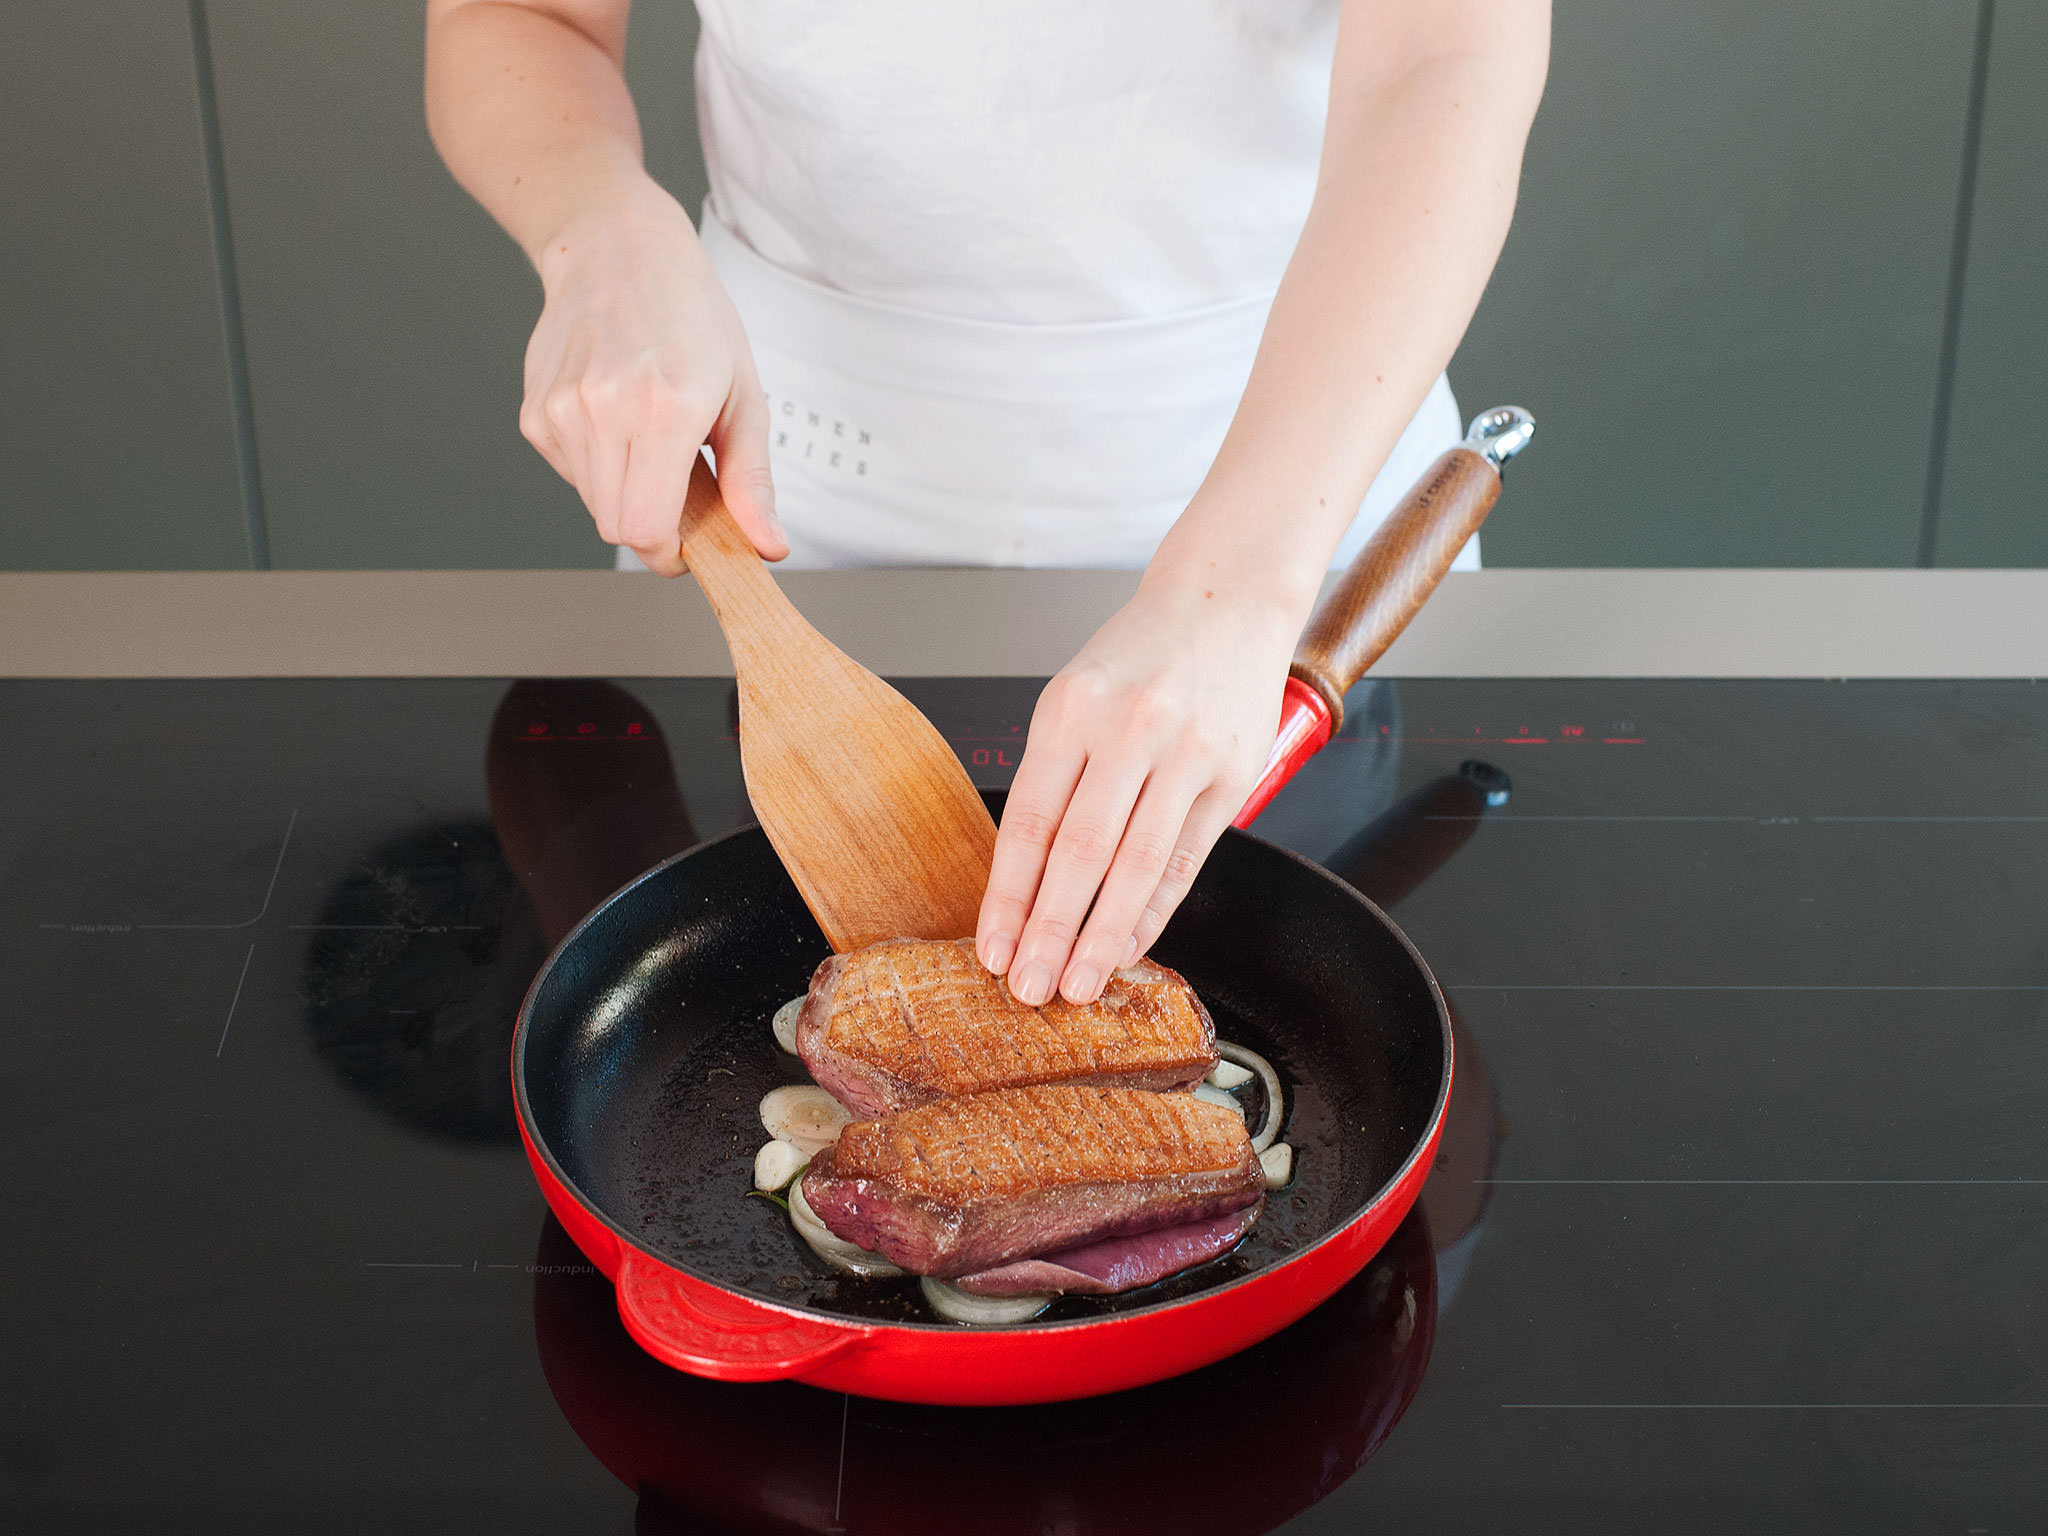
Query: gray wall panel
(386, 314)
(1735, 216)
(117, 445)
(1723, 294)
(660, 50)
(1992, 509)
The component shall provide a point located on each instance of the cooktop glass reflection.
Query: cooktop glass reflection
(1741, 1217)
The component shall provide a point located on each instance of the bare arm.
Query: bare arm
(638, 359)
(527, 102)
(1430, 105)
(1143, 748)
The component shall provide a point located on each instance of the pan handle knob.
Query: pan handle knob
(699, 1328)
(1501, 433)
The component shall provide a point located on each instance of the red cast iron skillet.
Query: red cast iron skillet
(643, 1050)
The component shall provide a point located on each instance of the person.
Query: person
(1158, 283)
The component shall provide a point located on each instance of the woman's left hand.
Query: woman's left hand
(1141, 752)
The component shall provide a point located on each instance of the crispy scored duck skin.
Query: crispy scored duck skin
(960, 1186)
(908, 1021)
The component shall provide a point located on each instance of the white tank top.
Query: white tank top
(1034, 161)
(1004, 264)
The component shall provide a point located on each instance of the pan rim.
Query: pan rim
(868, 1328)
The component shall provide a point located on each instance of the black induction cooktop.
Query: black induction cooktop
(1741, 1220)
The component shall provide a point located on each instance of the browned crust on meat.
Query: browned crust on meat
(907, 1021)
(996, 1146)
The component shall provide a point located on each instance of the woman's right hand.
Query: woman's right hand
(639, 360)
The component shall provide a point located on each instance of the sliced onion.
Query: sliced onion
(776, 1164)
(1278, 1163)
(784, 1024)
(1210, 1094)
(846, 1257)
(1264, 1136)
(958, 1306)
(1228, 1075)
(805, 1116)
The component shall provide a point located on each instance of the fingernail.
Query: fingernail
(996, 951)
(1081, 980)
(1130, 951)
(1032, 985)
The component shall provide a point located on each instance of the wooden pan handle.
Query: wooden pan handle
(1405, 559)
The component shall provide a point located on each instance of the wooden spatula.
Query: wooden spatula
(869, 809)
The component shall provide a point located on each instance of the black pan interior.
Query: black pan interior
(645, 1051)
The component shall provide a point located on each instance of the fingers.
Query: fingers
(626, 442)
(628, 447)
(1031, 817)
(1081, 855)
(533, 426)
(551, 422)
(1140, 753)
(1155, 862)
(1090, 831)
(551, 417)
(558, 419)
(1099, 844)
(1206, 819)
(657, 476)
(605, 457)
(637, 362)
(643, 436)
(739, 444)
(541, 368)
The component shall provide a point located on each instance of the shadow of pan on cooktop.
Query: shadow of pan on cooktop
(1230, 1450)
(413, 972)
(422, 950)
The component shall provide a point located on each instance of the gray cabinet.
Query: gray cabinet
(1993, 511)
(1723, 294)
(117, 441)
(386, 314)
